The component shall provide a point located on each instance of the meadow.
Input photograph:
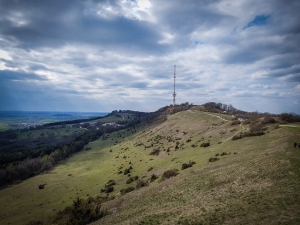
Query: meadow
(252, 180)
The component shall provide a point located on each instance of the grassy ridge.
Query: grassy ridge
(258, 185)
(255, 181)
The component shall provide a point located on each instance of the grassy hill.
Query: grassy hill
(253, 180)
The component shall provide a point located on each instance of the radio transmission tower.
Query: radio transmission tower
(174, 93)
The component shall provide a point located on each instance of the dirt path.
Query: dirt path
(288, 126)
(243, 128)
(229, 138)
(218, 117)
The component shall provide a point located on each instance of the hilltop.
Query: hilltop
(184, 165)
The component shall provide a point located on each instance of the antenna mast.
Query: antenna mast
(174, 93)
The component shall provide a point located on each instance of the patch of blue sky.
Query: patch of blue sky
(198, 43)
(258, 21)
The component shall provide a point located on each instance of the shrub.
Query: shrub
(155, 151)
(256, 133)
(153, 177)
(131, 179)
(188, 140)
(108, 189)
(126, 190)
(224, 153)
(42, 186)
(248, 134)
(128, 170)
(213, 159)
(141, 183)
(256, 126)
(187, 165)
(236, 137)
(268, 120)
(82, 211)
(235, 122)
(169, 173)
(205, 144)
(35, 222)
(110, 183)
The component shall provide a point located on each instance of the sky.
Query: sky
(99, 56)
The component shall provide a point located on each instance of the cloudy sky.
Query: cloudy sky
(103, 55)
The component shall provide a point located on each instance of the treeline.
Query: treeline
(218, 107)
(172, 109)
(229, 109)
(289, 117)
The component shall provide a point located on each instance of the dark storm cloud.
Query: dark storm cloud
(139, 85)
(8, 75)
(32, 24)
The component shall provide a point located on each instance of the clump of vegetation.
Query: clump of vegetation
(82, 211)
(42, 186)
(128, 170)
(110, 183)
(187, 165)
(236, 137)
(268, 120)
(131, 179)
(205, 144)
(168, 174)
(235, 122)
(188, 140)
(35, 222)
(141, 183)
(213, 159)
(126, 190)
(256, 126)
(248, 134)
(224, 153)
(289, 118)
(155, 151)
(150, 168)
(109, 187)
(153, 177)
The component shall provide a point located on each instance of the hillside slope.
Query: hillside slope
(254, 181)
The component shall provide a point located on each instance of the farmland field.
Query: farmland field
(25, 119)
